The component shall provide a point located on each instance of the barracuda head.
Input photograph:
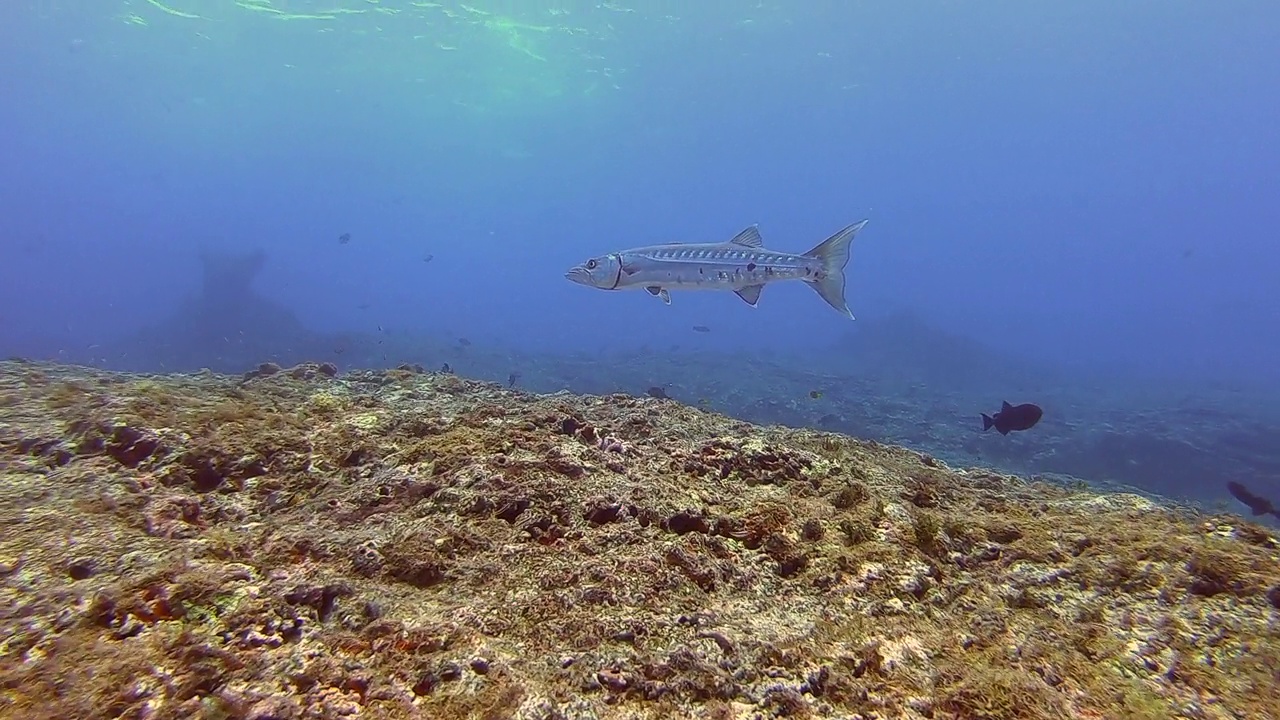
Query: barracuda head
(599, 272)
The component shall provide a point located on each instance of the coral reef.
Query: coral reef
(292, 543)
(896, 379)
(1153, 439)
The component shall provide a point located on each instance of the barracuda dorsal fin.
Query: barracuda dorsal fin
(748, 238)
(750, 294)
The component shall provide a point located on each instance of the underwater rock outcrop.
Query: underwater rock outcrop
(906, 346)
(227, 327)
(402, 544)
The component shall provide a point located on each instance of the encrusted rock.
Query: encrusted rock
(421, 545)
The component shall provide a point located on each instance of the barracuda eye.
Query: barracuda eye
(592, 264)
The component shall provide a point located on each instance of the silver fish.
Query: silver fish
(742, 265)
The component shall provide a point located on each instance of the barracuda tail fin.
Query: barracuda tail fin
(834, 255)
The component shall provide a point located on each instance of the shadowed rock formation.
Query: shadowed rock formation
(229, 327)
(906, 346)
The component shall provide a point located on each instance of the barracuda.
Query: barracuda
(742, 265)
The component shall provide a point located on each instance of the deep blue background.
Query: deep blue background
(1089, 182)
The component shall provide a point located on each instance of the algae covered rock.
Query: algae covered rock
(418, 545)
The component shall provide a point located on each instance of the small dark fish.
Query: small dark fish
(657, 392)
(344, 238)
(464, 342)
(1257, 504)
(1012, 417)
(428, 258)
(701, 328)
(815, 394)
(446, 369)
(512, 379)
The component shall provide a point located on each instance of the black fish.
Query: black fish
(1258, 505)
(512, 379)
(701, 328)
(344, 238)
(657, 392)
(1012, 417)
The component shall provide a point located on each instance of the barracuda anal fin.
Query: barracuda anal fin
(750, 294)
(659, 292)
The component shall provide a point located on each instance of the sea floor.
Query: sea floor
(296, 543)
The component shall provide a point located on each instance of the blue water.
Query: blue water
(1090, 184)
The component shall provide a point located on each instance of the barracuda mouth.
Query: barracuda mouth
(579, 275)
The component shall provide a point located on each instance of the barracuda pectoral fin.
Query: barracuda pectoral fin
(748, 238)
(660, 293)
(750, 294)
